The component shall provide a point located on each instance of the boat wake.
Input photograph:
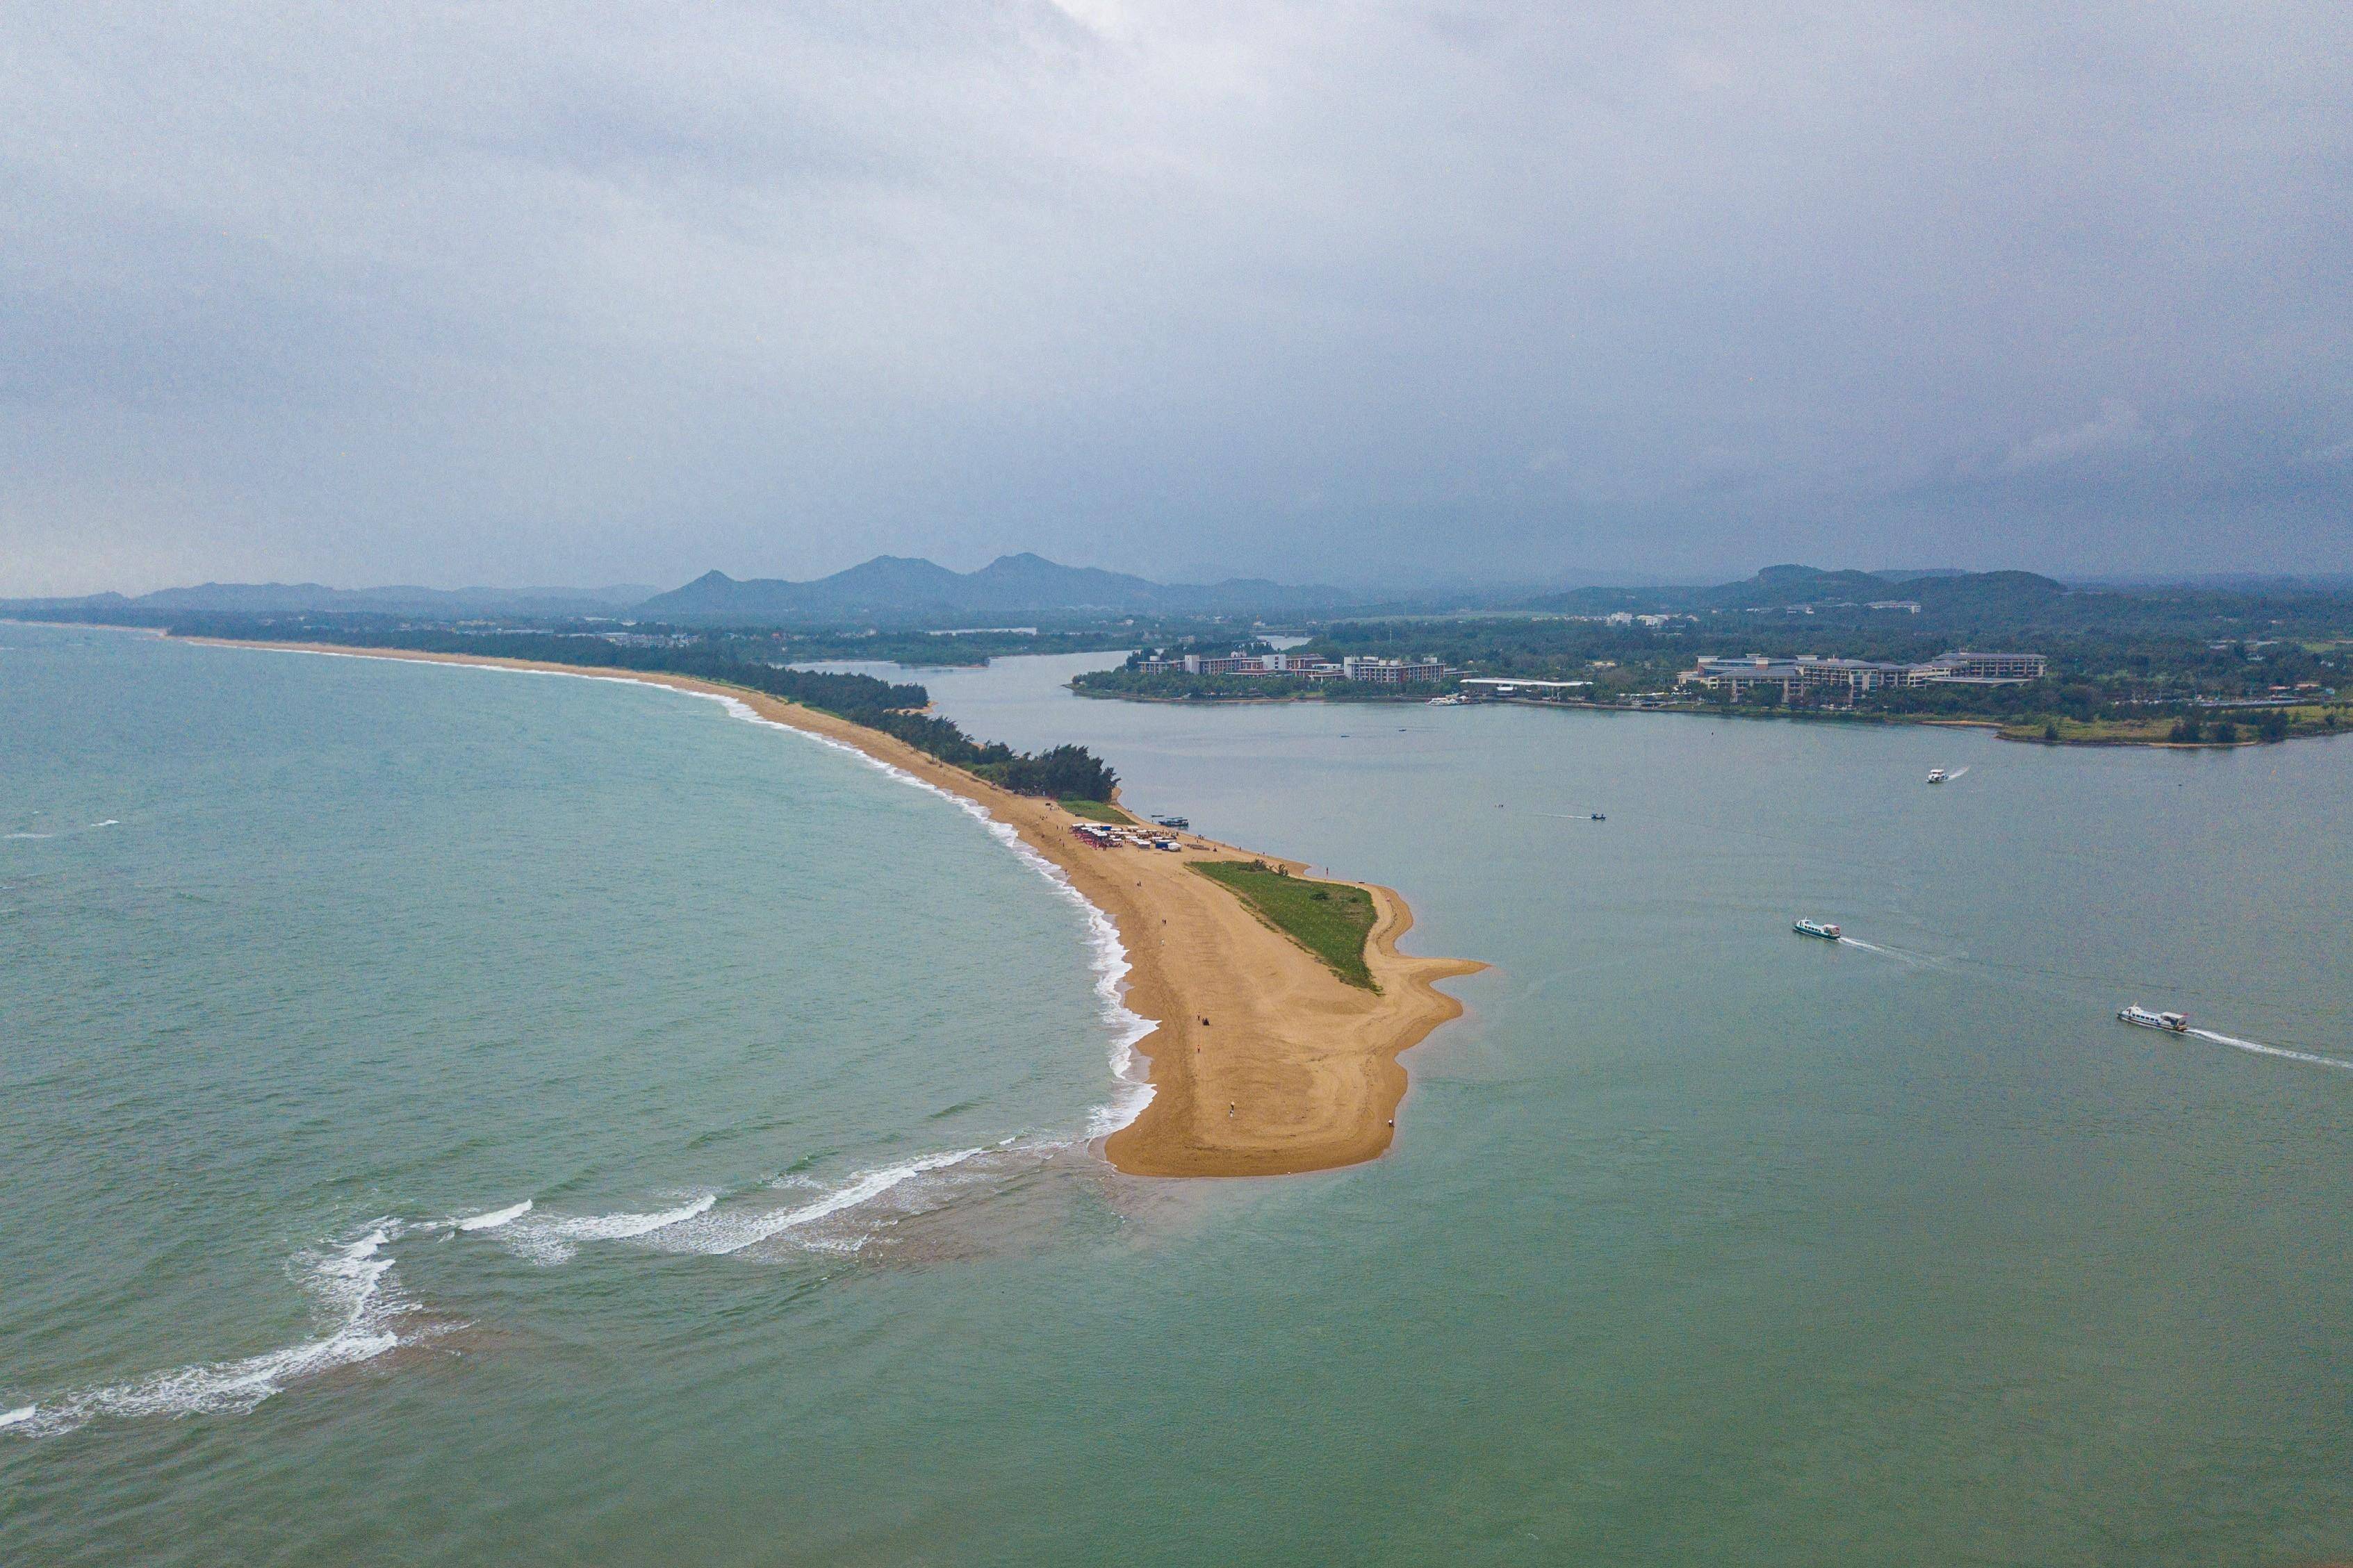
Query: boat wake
(2259, 1048)
(1897, 953)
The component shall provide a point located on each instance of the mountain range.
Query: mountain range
(898, 587)
(901, 591)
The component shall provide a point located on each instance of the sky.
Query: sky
(586, 293)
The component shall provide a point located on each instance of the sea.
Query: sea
(453, 1116)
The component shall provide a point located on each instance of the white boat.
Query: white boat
(2172, 1023)
(1822, 928)
(1935, 775)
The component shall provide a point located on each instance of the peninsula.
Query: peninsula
(1263, 1060)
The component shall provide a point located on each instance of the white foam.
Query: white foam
(17, 1416)
(552, 1239)
(356, 1290)
(496, 1217)
(2262, 1049)
(721, 1235)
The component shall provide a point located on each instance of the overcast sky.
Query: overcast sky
(581, 293)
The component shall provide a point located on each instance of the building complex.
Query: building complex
(1852, 678)
(1372, 671)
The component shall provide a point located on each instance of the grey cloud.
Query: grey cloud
(2117, 429)
(529, 292)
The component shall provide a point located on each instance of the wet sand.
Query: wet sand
(1264, 1062)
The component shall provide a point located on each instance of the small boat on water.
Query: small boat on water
(1822, 928)
(1176, 822)
(2172, 1023)
(1936, 775)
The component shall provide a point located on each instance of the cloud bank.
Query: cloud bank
(597, 293)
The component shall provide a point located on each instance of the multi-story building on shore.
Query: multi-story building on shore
(1371, 671)
(1852, 678)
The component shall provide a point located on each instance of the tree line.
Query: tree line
(894, 708)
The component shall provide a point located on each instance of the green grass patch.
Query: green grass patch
(1330, 919)
(1099, 811)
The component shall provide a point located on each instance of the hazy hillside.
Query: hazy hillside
(892, 587)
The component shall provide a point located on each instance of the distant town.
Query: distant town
(1366, 671)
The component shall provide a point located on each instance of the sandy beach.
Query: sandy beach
(1263, 1062)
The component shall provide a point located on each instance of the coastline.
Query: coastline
(1262, 1061)
(2027, 731)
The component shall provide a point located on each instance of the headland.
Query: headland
(1263, 1061)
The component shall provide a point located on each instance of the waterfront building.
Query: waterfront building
(1991, 665)
(1853, 677)
(1392, 672)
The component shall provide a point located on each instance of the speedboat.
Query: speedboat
(2172, 1023)
(1822, 928)
(1935, 775)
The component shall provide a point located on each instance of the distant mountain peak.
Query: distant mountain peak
(910, 588)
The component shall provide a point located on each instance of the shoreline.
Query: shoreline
(2003, 729)
(1263, 1062)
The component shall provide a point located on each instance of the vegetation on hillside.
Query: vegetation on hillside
(1330, 919)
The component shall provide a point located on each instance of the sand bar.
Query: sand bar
(1264, 1062)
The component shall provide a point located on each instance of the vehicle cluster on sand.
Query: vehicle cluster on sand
(1103, 836)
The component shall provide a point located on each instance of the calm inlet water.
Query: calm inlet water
(1701, 1241)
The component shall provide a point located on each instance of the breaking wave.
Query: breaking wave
(359, 1299)
(553, 1239)
(496, 1217)
(721, 1235)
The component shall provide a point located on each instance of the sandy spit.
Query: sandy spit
(1264, 1062)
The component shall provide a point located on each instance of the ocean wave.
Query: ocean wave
(552, 1239)
(721, 1235)
(358, 1296)
(496, 1217)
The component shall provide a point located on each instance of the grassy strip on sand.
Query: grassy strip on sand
(2208, 727)
(1099, 811)
(1330, 919)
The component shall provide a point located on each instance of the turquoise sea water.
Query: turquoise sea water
(1701, 1241)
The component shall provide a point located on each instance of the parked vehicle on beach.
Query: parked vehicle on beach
(2172, 1023)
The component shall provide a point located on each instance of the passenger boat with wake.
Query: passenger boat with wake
(2172, 1023)
(1822, 928)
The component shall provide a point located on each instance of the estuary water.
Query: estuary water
(1701, 1241)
